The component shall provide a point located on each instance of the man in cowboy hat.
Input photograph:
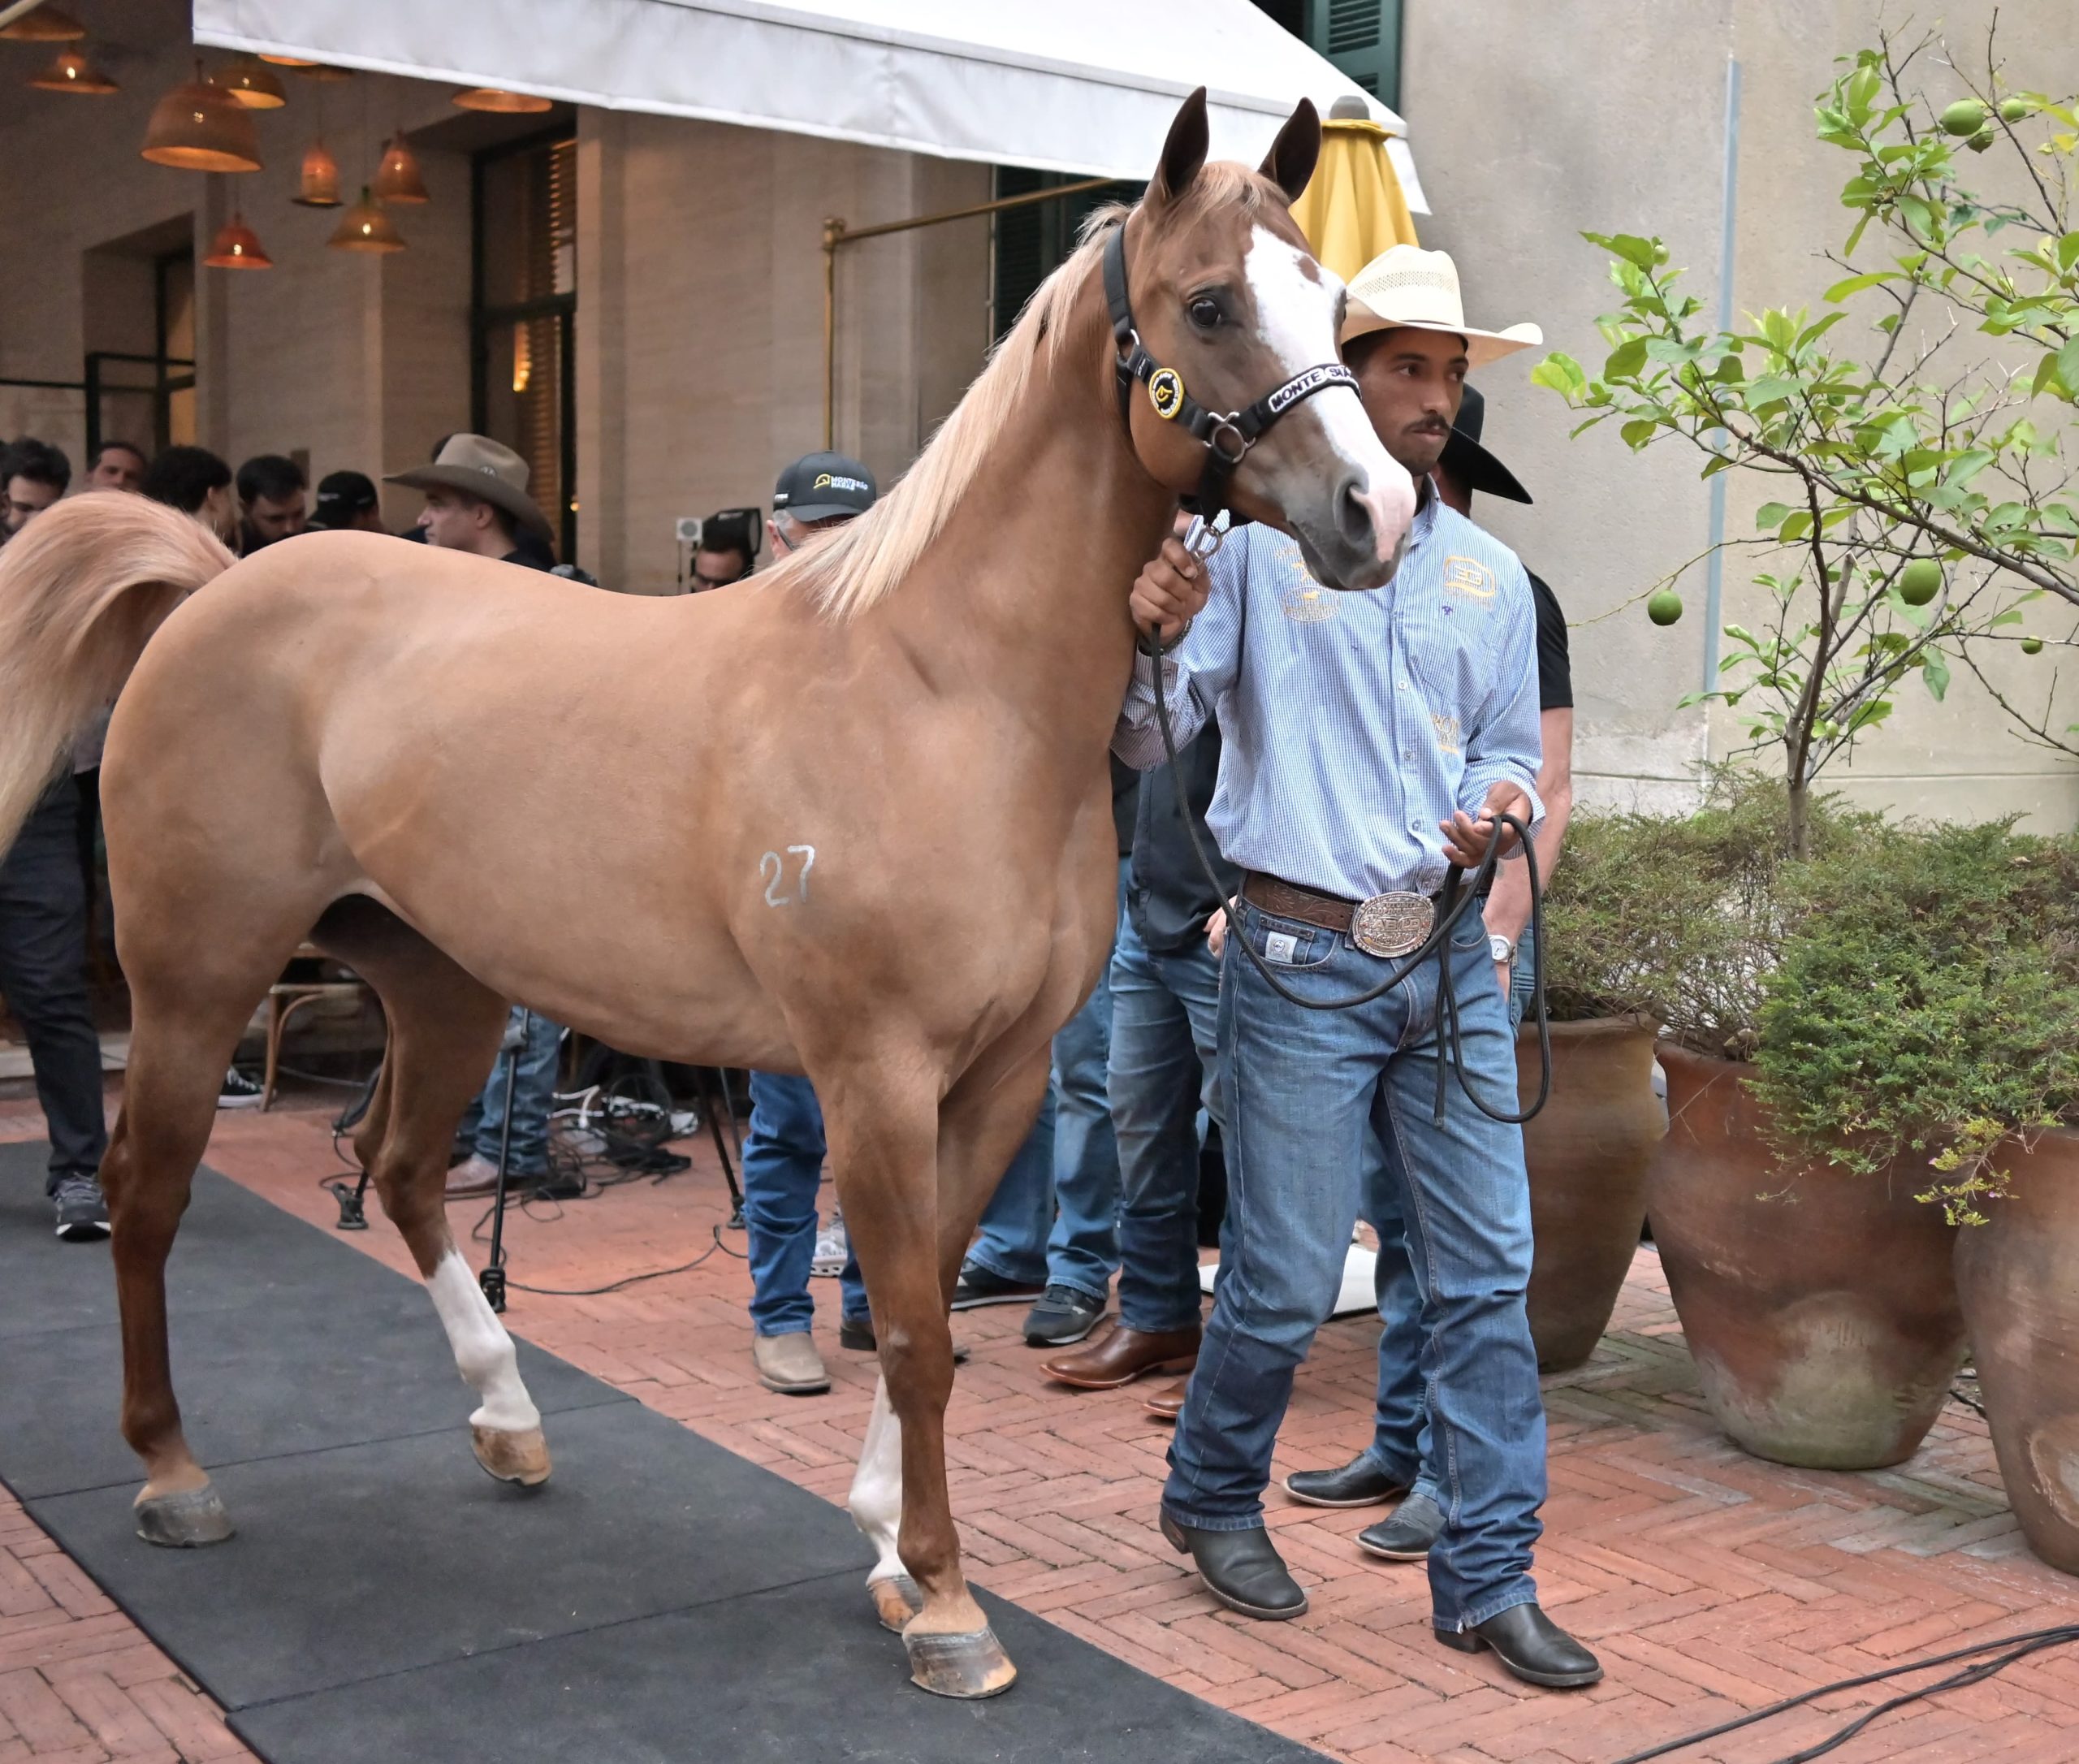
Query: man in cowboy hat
(477, 500)
(1370, 741)
(1399, 1434)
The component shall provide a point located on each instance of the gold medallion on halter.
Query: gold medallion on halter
(1391, 924)
(1165, 392)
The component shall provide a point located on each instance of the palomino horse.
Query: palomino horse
(850, 818)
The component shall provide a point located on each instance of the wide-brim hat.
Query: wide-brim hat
(1406, 288)
(478, 466)
(1470, 463)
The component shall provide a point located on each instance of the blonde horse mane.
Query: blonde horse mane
(865, 562)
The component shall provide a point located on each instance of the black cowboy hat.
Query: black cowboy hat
(1470, 463)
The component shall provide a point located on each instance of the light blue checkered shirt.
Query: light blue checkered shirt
(1352, 724)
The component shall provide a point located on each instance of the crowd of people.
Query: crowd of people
(1338, 752)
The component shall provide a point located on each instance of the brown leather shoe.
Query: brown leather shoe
(1122, 1355)
(474, 1176)
(1167, 1402)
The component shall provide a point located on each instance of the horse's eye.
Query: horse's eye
(1205, 313)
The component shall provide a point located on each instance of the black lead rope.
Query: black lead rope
(1457, 900)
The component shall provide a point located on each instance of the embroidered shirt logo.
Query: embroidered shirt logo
(1469, 575)
(1309, 604)
(1447, 732)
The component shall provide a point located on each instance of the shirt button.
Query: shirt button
(1403, 686)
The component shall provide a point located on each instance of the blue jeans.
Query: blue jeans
(1302, 1086)
(533, 1095)
(1401, 1428)
(783, 1177)
(1165, 1062)
(1055, 1221)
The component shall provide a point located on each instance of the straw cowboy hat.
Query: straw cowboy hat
(1406, 287)
(478, 466)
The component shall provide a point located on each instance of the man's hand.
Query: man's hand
(1466, 839)
(1170, 591)
(1215, 930)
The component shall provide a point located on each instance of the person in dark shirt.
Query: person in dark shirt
(271, 488)
(1407, 1534)
(1164, 983)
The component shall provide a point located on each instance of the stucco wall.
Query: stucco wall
(1530, 134)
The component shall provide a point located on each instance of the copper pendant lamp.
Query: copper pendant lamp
(237, 247)
(71, 71)
(196, 128)
(398, 178)
(319, 186)
(45, 24)
(320, 70)
(501, 103)
(366, 228)
(255, 86)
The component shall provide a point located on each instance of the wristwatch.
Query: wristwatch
(1501, 950)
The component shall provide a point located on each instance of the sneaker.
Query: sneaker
(832, 1250)
(239, 1092)
(1062, 1317)
(978, 1286)
(82, 1213)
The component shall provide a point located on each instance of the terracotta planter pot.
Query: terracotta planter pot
(1588, 1150)
(1823, 1319)
(2019, 1277)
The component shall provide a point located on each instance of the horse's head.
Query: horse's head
(1231, 309)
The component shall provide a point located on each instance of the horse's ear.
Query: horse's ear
(1183, 154)
(1289, 163)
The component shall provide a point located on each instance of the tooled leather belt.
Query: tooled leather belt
(1386, 925)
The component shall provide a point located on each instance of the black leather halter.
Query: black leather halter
(1226, 438)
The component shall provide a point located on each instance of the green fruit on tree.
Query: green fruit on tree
(1665, 607)
(1966, 116)
(1920, 581)
(2032, 645)
(1982, 140)
(2014, 109)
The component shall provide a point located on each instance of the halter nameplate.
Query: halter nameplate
(1165, 392)
(1305, 385)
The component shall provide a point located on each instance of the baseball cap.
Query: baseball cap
(818, 486)
(341, 495)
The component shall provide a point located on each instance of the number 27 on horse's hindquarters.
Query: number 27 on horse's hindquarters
(347, 739)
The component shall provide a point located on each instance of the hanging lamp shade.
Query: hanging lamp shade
(71, 71)
(501, 103)
(398, 179)
(287, 60)
(319, 186)
(255, 86)
(237, 247)
(366, 228)
(196, 128)
(45, 24)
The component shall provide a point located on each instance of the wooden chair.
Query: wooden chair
(285, 998)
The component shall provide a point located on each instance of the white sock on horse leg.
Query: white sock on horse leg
(483, 1352)
(877, 1498)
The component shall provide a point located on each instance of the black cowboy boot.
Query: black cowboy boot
(1242, 1569)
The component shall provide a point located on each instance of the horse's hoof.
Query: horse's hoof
(522, 1457)
(897, 1600)
(186, 1520)
(971, 1666)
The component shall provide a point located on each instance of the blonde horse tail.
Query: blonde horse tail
(82, 588)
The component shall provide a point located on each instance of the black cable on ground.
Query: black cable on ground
(616, 1285)
(2018, 1647)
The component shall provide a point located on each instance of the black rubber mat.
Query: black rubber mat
(660, 1598)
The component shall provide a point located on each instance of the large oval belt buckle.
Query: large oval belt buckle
(1392, 925)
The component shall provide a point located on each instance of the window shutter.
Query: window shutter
(1362, 38)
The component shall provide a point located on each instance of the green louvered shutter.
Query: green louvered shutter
(1363, 38)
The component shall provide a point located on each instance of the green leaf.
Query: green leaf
(1626, 360)
(1638, 432)
(1562, 373)
(1771, 516)
(1934, 675)
(1855, 284)
(1645, 252)
(2068, 366)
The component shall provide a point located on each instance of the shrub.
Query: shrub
(1925, 1001)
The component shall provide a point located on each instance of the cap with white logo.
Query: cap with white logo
(820, 485)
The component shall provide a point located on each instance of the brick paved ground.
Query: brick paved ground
(1710, 1582)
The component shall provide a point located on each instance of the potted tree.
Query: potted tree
(1922, 1026)
(1911, 523)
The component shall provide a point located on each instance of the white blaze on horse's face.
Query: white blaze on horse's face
(1352, 506)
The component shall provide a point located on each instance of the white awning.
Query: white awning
(1081, 86)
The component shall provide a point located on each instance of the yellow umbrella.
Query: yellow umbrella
(1353, 209)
